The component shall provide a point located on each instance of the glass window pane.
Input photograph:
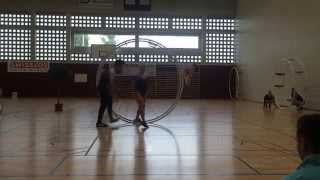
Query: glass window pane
(184, 42)
(86, 40)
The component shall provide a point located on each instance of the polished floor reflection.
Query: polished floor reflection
(200, 140)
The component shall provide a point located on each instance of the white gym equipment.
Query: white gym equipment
(101, 51)
(289, 73)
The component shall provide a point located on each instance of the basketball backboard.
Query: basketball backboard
(103, 51)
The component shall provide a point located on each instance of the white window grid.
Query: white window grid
(126, 57)
(15, 19)
(51, 20)
(151, 58)
(86, 21)
(120, 22)
(83, 57)
(110, 59)
(220, 24)
(187, 23)
(188, 59)
(153, 23)
(220, 48)
(15, 44)
(51, 45)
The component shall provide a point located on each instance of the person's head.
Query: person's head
(118, 66)
(269, 92)
(195, 67)
(308, 135)
(106, 72)
(105, 67)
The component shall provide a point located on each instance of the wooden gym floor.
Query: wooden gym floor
(201, 139)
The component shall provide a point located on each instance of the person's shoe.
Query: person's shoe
(100, 124)
(113, 120)
(136, 122)
(143, 123)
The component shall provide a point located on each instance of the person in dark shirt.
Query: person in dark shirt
(105, 92)
(141, 92)
(269, 100)
(308, 139)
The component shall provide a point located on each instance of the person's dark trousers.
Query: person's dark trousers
(105, 102)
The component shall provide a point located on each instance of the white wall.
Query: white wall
(275, 29)
(161, 7)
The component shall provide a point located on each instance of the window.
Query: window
(153, 23)
(220, 24)
(120, 22)
(220, 48)
(188, 59)
(126, 57)
(183, 42)
(15, 20)
(15, 44)
(51, 20)
(51, 45)
(187, 23)
(86, 57)
(86, 21)
(151, 58)
(162, 39)
(83, 57)
(86, 40)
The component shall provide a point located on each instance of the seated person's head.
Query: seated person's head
(308, 135)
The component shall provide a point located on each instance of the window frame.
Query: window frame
(136, 31)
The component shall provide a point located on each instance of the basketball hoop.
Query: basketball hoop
(104, 51)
